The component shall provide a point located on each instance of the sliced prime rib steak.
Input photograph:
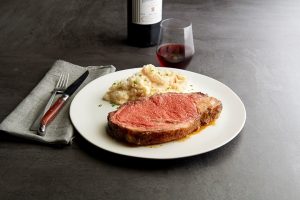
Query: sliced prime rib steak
(162, 118)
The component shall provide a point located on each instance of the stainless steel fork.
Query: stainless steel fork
(60, 87)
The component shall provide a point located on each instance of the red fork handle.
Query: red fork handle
(51, 114)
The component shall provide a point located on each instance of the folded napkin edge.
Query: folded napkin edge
(8, 123)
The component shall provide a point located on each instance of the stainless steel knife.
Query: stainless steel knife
(56, 107)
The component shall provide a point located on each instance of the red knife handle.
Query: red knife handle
(51, 113)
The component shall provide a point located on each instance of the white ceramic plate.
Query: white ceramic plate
(88, 113)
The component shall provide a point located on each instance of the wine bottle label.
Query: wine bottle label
(146, 11)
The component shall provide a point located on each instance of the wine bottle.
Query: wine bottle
(143, 22)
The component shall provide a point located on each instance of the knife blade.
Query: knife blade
(56, 107)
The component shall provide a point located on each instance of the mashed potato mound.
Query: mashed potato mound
(148, 81)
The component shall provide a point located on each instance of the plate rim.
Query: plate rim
(164, 157)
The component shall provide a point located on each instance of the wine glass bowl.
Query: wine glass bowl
(175, 46)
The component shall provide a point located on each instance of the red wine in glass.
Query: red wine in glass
(174, 55)
(175, 46)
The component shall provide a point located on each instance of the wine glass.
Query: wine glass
(175, 46)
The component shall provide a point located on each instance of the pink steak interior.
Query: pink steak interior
(158, 112)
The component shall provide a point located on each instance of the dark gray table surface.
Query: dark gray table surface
(253, 46)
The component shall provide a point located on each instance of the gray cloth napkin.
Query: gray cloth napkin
(60, 131)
